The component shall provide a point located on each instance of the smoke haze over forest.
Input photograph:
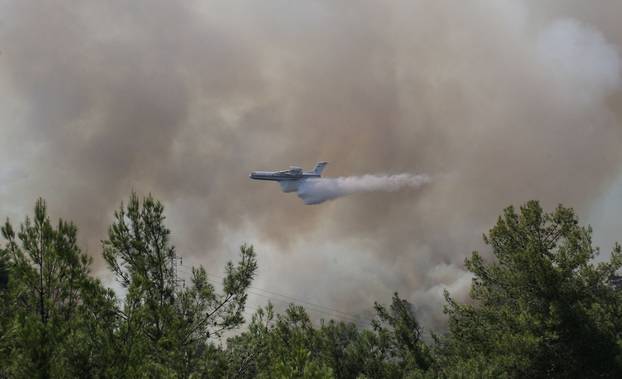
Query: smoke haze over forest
(498, 101)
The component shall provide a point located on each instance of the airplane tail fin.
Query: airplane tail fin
(319, 167)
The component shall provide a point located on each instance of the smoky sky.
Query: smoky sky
(498, 102)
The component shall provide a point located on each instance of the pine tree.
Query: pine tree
(541, 307)
(48, 311)
(165, 328)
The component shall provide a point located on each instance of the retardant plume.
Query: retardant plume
(316, 191)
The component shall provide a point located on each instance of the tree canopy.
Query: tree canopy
(539, 307)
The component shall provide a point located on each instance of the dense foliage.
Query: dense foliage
(539, 307)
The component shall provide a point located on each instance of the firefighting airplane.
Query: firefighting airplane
(289, 179)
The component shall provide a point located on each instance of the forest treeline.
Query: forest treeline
(540, 307)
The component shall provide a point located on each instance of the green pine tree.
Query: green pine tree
(541, 307)
(165, 328)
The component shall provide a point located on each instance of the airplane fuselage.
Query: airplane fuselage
(289, 179)
(278, 177)
(289, 182)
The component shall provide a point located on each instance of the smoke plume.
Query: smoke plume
(499, 101)
(316, 191)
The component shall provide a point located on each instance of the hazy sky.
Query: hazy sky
(498, 102)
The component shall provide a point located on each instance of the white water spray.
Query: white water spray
(316, 191)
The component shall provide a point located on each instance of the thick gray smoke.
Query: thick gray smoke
(499, 101)
(316, 191)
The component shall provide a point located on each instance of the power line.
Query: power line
(334, 313)
(345, 318)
